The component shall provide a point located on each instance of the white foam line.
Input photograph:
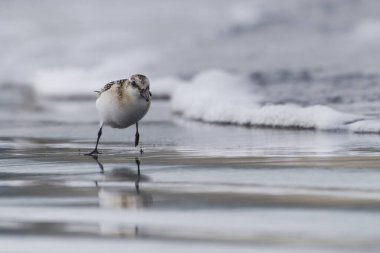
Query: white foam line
(217, 96)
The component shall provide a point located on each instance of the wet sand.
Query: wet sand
(197, 187)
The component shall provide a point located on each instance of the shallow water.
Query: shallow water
(264, 190)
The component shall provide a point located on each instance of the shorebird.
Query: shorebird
(123, 103)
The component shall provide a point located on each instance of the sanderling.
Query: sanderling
(123, 103)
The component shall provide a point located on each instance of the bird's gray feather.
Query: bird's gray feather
(110, 84)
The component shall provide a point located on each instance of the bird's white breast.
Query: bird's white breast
(120, 111)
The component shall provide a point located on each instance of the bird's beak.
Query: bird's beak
(145, 94)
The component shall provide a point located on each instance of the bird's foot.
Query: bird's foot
(95, 152)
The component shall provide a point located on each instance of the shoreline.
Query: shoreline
(253, 189)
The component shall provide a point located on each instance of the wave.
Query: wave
(217, 96)
(80, 81)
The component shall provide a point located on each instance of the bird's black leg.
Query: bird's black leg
(95, 151)
(137, 136)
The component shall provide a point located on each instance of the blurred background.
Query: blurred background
(289, 85)
(71, 48)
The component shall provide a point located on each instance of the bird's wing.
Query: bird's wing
(110, 84)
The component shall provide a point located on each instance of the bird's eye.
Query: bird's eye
(134, 84)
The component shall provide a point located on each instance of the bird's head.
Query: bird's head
(140, 86)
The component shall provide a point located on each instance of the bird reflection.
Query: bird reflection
(101, 167)
(115, 191)
(112, 194)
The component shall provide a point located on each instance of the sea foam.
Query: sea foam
(218, 96)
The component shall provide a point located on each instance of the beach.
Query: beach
(255, 189)
(262, 135)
